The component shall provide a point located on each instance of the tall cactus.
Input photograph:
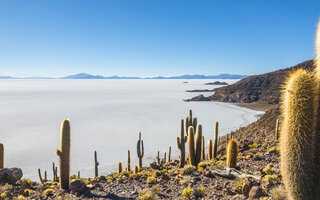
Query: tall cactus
(1, 156)
(164, 160)
(140, 150)
(297, 136)
(169, 154)
(40, 177)
(158, 158)
(210, 149)
(232, 153)
(203, 151)
(55, 173)
(215, 143)
(317, 115)
(192, 152)
(198, 144)
(64, 154)
(181, 141)
(129, 162)
(96, 164)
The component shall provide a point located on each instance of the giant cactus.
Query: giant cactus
(140, 150)
(297, 135)
(64, 154)
(215, 143)
(232, 153)
(1, 156)
(181, 141)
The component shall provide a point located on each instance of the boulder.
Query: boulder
(255, 192)
(78, 187)
(10, 175)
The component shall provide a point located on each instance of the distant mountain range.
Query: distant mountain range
(89, 76)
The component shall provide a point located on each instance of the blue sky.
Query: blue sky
(154, 37)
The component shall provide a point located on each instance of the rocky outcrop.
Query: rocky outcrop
(264, 88)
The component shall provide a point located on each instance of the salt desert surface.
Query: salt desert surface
(105, 115)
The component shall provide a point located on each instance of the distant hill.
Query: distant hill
(89, 76)
(264, 88)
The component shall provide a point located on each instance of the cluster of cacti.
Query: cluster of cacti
(45, 176)
(119, 167)
(195, 146)
(140, 150)
(181, 141)
(64, 154)
(55, 172)
(1, 156)
(96, 164)
(232, 153)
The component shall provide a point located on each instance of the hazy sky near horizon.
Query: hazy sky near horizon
(154, 37)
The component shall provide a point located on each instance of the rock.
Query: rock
(154, 165)
(246, 188)
(255, 192)
(10, 175)
(78, 187)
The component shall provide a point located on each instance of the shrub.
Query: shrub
(151, 180)
(26, 192)
(48, 192)
(268, 169)
(25, 182)
(239, 184)
(20, 197)
(199, 192)
(188, 169)
(187, 193)
(278, 193)
(147, 194)
(3, 195)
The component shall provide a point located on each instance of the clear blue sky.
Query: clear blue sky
(154, 37)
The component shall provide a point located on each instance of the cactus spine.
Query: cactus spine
(215, 143)
(276, 134)
(169, 154)
(192, 153)
(129, 162)
(1, 156)
(181, 141)
(140, 150)
(232, 153)
(64, 154)
(198, 144)
(119, 167)
(296, 137)
(203, 152)
(96, 164)
(209, 149)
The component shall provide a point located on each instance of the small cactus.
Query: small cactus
(232, 153)
(210, 149)
(64, 155)
(119, 168)
(192, 153)
(136, 169)
(140, 150)
(129, 162)
(181, 141)
(1, 156)
(203, 151)
(158, 158)
(215, 143)
(96, 164)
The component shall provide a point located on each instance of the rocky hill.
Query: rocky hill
(264, 88)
